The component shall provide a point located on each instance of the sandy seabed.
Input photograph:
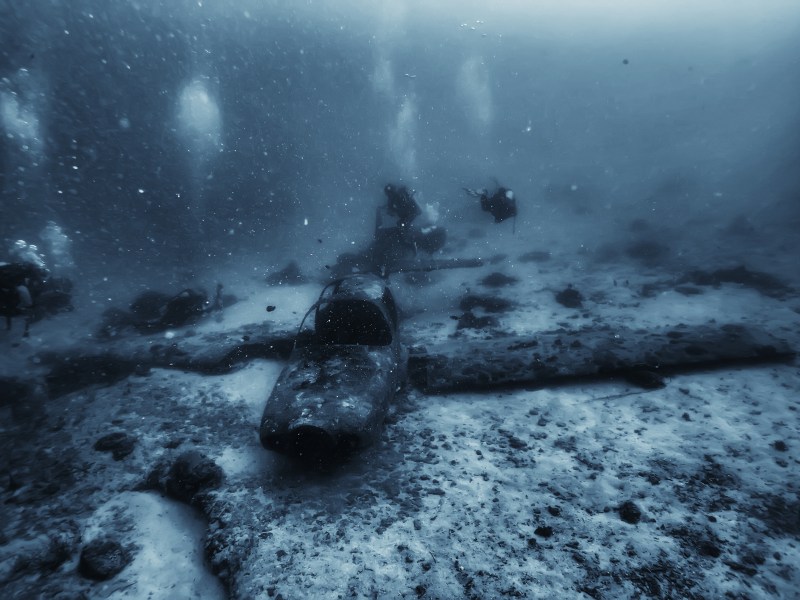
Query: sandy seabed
(587, 490)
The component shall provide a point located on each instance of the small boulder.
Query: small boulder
(191, 473)
(498, 279)
(119, 443)
(544, 531)
(570, 297)
(630, 513)
(102, 559)
(469, 321)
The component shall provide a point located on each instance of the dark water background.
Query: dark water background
(167, 138)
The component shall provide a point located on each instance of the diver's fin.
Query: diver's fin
(471, 192)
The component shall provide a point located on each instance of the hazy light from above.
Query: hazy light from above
(199, 117)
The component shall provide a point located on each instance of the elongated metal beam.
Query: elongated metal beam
(558, 356)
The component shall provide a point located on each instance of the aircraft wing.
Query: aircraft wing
(558, 356)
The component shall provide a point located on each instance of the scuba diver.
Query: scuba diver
(27, 290)
(16, 300)
(501, 204)
(393, 243)
(401, 204)
(394, 240)
(28, 287)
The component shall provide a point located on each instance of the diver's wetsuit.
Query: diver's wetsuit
(501, 205)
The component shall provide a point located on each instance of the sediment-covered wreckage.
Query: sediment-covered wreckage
(343, 371)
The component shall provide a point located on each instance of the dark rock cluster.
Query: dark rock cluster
(469, 321)
(630, 513)
(498, 279)
(570, 297)
(119, 443)
(102, 559)
(764, 283)
(186, 478)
